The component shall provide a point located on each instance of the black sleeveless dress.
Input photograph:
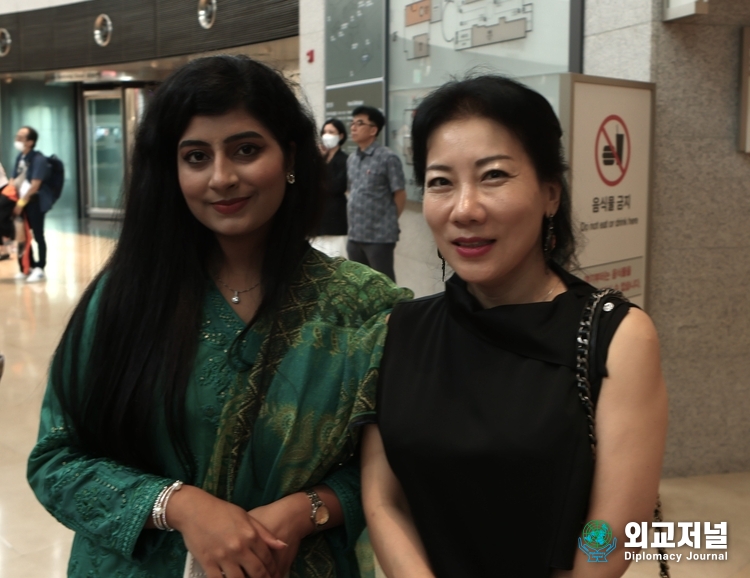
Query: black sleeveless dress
(482, 424)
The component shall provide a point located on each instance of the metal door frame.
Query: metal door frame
(86, 96)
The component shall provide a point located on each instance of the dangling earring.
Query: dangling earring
(443, 266)
(290, 178)
(550, 239)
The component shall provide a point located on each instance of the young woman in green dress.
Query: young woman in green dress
(213, 376)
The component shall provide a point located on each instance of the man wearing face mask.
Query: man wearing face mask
(28, 175)
(331, 237)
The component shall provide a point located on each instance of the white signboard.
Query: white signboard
(610, 161)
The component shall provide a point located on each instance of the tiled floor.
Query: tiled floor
(32, 317)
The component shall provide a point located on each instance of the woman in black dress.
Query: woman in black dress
(481, 464)
(331, 237)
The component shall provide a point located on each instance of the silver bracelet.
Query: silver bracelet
(159, 512)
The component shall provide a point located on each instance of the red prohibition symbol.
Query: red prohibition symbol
(612, 150)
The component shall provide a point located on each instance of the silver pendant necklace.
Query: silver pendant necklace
(236, 297)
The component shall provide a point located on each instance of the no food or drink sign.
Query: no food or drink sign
(612, 150)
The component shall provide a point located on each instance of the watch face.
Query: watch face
(322, 516)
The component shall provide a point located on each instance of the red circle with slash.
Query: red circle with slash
(621, 165)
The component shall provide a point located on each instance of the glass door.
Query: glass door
(105, 152)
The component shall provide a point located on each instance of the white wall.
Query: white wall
(312, 37)
(699, 239)
(618, 39)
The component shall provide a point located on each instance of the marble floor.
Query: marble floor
(32, 318)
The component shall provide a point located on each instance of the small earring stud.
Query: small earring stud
(290, 178)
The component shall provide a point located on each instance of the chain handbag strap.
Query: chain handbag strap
(585, 343)
(663, 564)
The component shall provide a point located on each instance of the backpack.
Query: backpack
(56, 176)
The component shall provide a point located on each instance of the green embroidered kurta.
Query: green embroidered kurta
(314, 376)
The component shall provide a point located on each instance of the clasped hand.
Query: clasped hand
(229, 542)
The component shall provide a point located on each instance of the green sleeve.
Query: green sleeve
(364, 353)
(98, 498)
(345, 482)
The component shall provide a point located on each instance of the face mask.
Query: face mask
(19, 145)
(330, 141)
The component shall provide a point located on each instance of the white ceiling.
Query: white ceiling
(11, 6)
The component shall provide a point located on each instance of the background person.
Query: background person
(331, 235)
(30, 170)
(493, 474)
(240, 365)
(376, 194)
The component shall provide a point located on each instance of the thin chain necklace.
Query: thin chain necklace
(543, 299)
(236, 297)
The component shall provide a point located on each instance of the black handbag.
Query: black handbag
(585, 355)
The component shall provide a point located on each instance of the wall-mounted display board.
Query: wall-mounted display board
(355, 58)
(608, 126)
(430, 41)
(354, 41)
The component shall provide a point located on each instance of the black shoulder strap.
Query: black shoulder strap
(608, 304)
(603, 300)
(585, 356)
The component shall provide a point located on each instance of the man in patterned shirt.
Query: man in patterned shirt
(376, 194)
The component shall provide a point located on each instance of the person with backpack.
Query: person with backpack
(35, 199)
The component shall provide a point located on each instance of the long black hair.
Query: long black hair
(526, 114)
(151, 291)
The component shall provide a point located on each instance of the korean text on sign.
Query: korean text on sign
(610, 203)
(689, 535)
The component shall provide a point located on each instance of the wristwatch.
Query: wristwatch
(319, 513)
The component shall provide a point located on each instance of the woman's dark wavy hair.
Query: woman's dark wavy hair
(524, 112)
(153, 286)
(339, 126)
